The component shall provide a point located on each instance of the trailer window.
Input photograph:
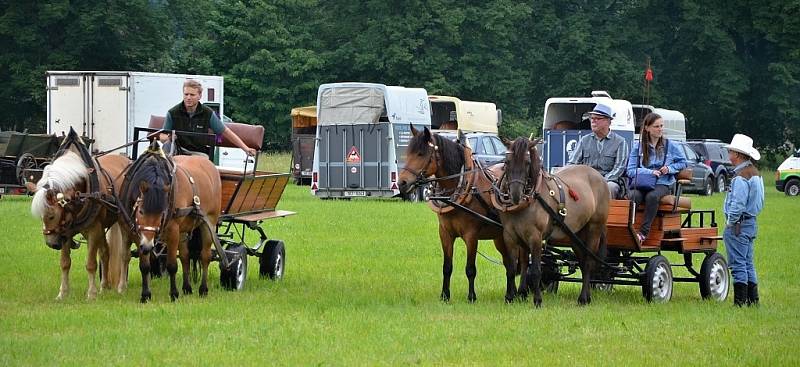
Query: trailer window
(67, 82)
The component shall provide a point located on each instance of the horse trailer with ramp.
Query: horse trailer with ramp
(362, 133)
(451, 113)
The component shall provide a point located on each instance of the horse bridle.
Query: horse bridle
(422, 176)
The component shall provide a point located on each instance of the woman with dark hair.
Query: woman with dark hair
(653, 155)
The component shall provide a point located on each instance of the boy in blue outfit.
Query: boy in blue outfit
(742, 204)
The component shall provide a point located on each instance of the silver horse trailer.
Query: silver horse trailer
(363, 130)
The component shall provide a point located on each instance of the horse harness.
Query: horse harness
(88, 205)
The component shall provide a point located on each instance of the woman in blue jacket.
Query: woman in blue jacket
(660, 159)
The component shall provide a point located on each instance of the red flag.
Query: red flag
(648, 74)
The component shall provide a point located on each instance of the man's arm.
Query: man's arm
(619, 163)
(231, 136)
(577, 155)
(164, 137)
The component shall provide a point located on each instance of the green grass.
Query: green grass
(361, 288)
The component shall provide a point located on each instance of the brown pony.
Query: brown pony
(68, 204)
(167, 200)
(431, 155)
(576, 194)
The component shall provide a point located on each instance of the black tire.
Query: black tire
(273, 260)
(714, 279)
(792, 187)
(721, 179)
(549, 281)
(158, 265)
(657, 280)
(234, 277)
(708, 187)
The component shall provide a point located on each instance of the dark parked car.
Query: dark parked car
(702, 175)
(713, 153)
(486, 147)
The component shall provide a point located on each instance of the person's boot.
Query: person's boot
(739, 294)
(752, 294)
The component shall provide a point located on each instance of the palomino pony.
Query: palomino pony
(70, 201)
(168, 200)
(432, 155)
(533, 203)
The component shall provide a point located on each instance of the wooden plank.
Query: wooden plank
(254, 217)
(694, 241)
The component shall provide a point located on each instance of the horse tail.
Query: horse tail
(117, 258)
(195, 247)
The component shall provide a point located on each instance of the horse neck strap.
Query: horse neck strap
(195, 208)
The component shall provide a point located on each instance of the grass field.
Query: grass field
(362, 287)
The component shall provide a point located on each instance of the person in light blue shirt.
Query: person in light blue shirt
(658, 158)
(743, 203)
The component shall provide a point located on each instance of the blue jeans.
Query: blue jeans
(740, 251)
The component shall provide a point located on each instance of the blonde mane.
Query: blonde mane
(66, 172)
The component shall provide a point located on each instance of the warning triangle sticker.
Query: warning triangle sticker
(353, 156)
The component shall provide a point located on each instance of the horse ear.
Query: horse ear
(427, 134)
(414, 132)
(506, 142)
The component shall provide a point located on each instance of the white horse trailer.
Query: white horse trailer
(674, 121)
(363, 130)
(105, 106)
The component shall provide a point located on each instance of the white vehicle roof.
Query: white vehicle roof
(348, 103)
(574, 109)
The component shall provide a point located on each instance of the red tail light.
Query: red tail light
(314, 177)
(707, 162)
(394, 176)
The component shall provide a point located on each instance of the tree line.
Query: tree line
(729, 66)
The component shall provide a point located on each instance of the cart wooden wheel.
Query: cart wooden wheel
(657, 281)
(273, 260)
(25, 163)
(234, 276)
(714, 280)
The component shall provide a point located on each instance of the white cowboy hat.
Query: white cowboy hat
(743, 144)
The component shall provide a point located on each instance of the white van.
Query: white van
(363, 130)
(787, 177)
(566, 120)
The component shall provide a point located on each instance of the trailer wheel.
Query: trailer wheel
(273, 260)
(657, 281)
(714, 280)
(792, 187)
(234, 276)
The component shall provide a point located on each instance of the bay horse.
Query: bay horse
(532, 202)
(168, 198)
(429, 155)
(76, 195)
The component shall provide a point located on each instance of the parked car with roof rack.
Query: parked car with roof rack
(714, 155)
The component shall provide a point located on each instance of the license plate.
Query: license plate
(2, 190)
(355, 193)
(305, 173)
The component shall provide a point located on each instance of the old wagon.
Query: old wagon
(22, 158)
(304, 133)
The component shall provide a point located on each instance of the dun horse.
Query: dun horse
(168, 200)
(431, 155)
(68, 204)
(534, 201)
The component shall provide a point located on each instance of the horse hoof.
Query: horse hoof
(203, 291)
(144, 298)
(509, 300)
(187, 290)
(472, 298)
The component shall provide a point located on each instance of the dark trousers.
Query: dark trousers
(651, 199)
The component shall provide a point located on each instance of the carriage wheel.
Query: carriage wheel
(25, 163)
(714, 281)
(234, 276)
(273, 260)
(657, 282)
(550, 277)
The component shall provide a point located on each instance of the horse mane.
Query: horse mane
(536, 163)
(155, 171)
(66, 172)
(451, 153)
(518, 150)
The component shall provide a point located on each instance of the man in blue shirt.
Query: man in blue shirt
(742, 204)
(192, 116)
